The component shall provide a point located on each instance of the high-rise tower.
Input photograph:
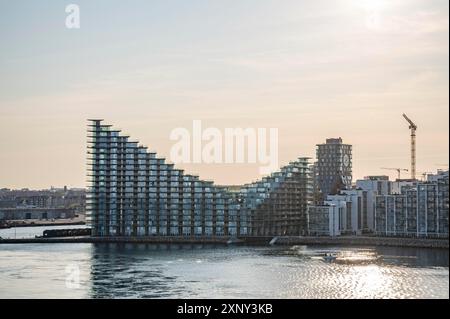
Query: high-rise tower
(334, 166)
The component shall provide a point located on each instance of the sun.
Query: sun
(372, 5)
(373, 11)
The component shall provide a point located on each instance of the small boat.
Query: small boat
(329, 257)
(232, 241)
(273, 241)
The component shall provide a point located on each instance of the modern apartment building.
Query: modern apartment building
(371, 187)
(349, 212)
(325, 220)
(354, 219)
(379, 184)
(132, 192)
(421, 210)
(333, 167)
(278, 204)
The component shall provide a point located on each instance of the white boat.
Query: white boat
(273, 241)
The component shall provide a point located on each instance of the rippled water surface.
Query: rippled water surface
(196, 271)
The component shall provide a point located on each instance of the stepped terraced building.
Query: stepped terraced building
(132, 192)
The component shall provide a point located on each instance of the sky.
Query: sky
(312, 69)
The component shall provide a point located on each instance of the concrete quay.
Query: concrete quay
(136, 240)
(364, 241)
(281, 240)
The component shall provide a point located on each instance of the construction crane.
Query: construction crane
(399, 170)
(413, 128)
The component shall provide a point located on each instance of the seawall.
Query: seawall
(282, 240)
(364, 241)
(137, 240)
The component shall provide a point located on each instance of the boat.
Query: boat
(274, 241)
(232, 241)
(4, 225)
(329, 257)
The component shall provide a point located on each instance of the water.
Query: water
(206, 271)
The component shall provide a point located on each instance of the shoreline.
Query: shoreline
(277, 241)
(46, 224)
(366, 241)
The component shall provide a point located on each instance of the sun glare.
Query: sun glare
(371, 5)
(372, 11)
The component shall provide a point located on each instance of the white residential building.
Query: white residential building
(421, 210)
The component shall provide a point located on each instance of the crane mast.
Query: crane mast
(413, 128)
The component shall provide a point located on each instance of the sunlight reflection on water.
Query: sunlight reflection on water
(196, 271)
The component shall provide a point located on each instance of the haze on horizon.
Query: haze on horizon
(313, 69)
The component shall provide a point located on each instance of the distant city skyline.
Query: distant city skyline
(312, 69)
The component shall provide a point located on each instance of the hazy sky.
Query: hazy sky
(313, 69)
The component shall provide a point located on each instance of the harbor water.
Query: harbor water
(204, 271)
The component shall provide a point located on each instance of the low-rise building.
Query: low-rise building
(35, 213)
(48, 198)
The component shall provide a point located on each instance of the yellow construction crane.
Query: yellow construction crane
(399, 170)
(413, 128)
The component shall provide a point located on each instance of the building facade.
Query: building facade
(24, 213)
(278, 204)
(353, 219)
(352, 208)
(334, 167)
(421, 210)
(325, 220)
(132, 192)
(381, 185)
(398, 185)
(371, 187)
(50, 198)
